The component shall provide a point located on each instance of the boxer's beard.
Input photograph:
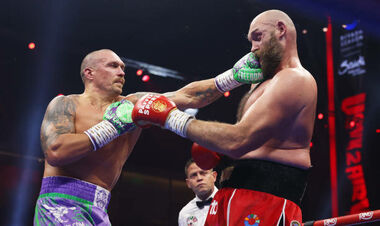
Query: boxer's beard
(270, 57)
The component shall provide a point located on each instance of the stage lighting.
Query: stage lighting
(311, 144)
(304, 31)
(320, 116)
(377, 130)
(31, 45)
(145, 78)
(324, 29)
(139, 72)
(352, 124)
(227, 94)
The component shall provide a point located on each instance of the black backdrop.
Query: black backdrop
(196, 38)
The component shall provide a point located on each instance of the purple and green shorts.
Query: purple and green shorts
(69, 201)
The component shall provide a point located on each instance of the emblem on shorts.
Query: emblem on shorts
(295, 223)
(100, 199)
(251, 220)
(59, 212)
(159, 106)
(190, 221)
(213, 208)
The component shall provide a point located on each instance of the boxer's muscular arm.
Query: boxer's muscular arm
(194, 95)
(60, 144)
(280, 103)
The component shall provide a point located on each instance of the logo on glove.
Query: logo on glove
(159, 106)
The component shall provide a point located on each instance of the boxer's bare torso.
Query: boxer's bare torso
(290, 143)
(104, 166)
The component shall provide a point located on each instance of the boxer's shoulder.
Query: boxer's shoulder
(297, 74)
(63, 102)
(291, 80)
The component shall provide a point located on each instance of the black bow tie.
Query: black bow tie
(201, 204)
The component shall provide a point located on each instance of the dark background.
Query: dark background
(197, 38)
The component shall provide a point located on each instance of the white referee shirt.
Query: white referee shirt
(191, 215)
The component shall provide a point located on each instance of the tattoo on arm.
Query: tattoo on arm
(208, 95)
(58, 119)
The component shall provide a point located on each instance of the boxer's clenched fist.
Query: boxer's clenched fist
(116, 121)
(158, 110)
(203, 157)
(246, 70)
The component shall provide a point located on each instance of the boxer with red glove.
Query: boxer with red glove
(204, 158)
(158, 110)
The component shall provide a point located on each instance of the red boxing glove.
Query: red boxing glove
(204, 158)
(152, 109)
(158, 110)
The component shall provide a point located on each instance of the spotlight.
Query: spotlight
(352, 124)
(304, 31)
(60, 94)
(377, 130)
(311, 144)
(344, 26)
(145, 78)
(31, 45)
(324, 29)
(227, 94)
(139, 72)
(320, 116)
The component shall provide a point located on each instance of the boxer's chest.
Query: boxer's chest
(253, 95)
(86, 117)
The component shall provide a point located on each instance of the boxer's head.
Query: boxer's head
(104, 70)
(199, 180)
(272, 35)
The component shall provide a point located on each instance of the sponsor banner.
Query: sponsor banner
(350, 71)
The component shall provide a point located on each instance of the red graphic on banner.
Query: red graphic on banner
(353, 107)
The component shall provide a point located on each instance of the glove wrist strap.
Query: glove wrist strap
(226, 82)
(101, 134)
(178, 121)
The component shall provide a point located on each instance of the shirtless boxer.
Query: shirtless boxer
(271, 140)
(86, 139)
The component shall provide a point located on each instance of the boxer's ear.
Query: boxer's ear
(88, 73)
(281, 28)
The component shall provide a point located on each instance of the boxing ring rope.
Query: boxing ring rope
(353, 219)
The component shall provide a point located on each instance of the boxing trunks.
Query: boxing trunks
(69, 201)
(259, 193)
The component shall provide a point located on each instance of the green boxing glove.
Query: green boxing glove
(117, 120)
(246, 70)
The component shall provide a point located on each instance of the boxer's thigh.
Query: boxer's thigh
(217, 213)
(249, 207)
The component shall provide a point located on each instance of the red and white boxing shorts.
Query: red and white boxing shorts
(235, 207)
(259, 193)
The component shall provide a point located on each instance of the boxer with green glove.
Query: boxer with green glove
(246, 70)
(116, 121)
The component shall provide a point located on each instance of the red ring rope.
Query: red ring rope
(359, 218)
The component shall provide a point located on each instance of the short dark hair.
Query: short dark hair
(188, 163)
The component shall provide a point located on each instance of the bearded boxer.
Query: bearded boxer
(86, 138)
(270, 141)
